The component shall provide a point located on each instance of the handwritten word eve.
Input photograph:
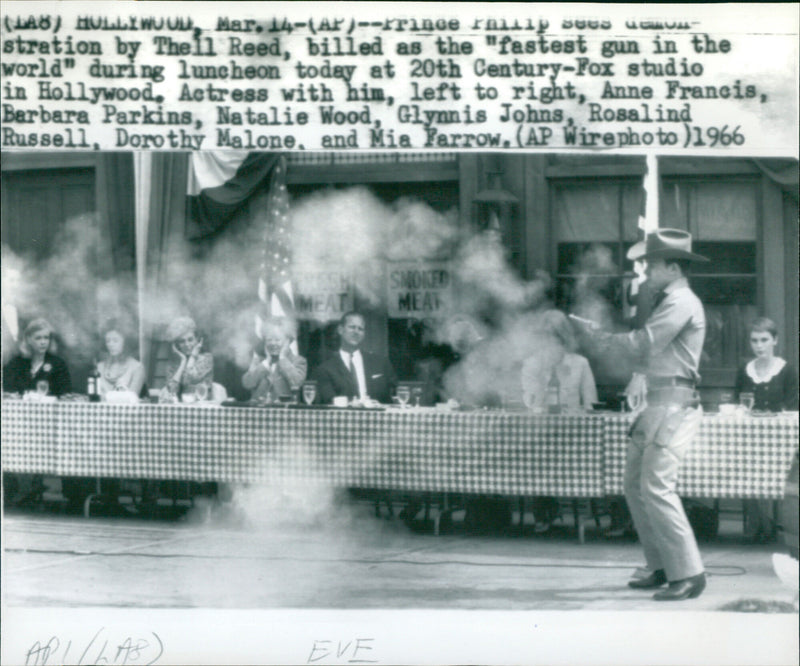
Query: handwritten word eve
(350, 652)
(101, 649)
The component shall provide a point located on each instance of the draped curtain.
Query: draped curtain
(161, 221)
(783, 172)
(117, 170)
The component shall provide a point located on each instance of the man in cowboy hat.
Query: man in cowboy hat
(668, 349)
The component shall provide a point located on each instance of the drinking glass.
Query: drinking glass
(416, 395)
(42, 387)
(309, 392)
(747, 400)
(201, 392)
(403, 394)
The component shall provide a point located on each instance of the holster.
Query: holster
(658, 423)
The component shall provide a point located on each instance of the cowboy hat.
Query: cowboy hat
(670, 244)
(635, 251)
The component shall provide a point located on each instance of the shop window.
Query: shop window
(595, 222)
(722, 216)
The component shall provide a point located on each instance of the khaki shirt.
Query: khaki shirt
(671, 342)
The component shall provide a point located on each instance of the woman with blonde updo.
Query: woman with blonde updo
(193, 367)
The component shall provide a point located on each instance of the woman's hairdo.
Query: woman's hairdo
(33, 327)
(115, 325)
(179, 327)
(765, 324)
(280, 324)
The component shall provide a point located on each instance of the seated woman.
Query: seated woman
(773, 383)
(193, 368)
(556, 360)
(279, 371)
(119, 371)
(36, 365)
(768, 377)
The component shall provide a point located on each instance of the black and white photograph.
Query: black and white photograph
(378, 400)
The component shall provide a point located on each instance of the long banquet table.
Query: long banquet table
(481, 452)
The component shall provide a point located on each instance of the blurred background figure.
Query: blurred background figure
(119, 371)
(275, 370)
(473, 379)
(10, 286)
(556, 365)
(766, 383)
(193, 371)
(557, 358)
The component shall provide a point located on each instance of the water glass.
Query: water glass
(42, 387)
(747, 400)
(309, 392)
(201, 392)
(403, 394)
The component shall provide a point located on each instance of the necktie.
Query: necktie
(354, 375)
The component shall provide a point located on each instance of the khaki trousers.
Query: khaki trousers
(660, 439)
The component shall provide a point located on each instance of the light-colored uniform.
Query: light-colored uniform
(670, 344)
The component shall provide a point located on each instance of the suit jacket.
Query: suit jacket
(333, 378)
(287, 376)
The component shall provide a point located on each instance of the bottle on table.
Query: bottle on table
(554, 394)
(93, 384)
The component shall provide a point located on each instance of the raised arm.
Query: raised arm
(293, 367)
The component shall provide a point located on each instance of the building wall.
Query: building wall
(536, 180)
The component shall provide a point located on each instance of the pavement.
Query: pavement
(347, 559)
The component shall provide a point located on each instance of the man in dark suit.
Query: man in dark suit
(352, 372)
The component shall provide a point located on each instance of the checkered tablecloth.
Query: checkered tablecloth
(732, 456)
(479, 452)
(476, 452)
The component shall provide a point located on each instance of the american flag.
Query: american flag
(275, 280)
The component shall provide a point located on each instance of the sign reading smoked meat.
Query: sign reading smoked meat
(417, 288)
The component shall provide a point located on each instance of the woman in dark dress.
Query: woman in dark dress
(36, 363)
(34, 366)
(773, 383)
(771, 380)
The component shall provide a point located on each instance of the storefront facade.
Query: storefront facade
(572, 217)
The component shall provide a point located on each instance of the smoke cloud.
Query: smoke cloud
(349, 231)
(597, 295)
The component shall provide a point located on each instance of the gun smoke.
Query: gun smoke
(493, 319)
